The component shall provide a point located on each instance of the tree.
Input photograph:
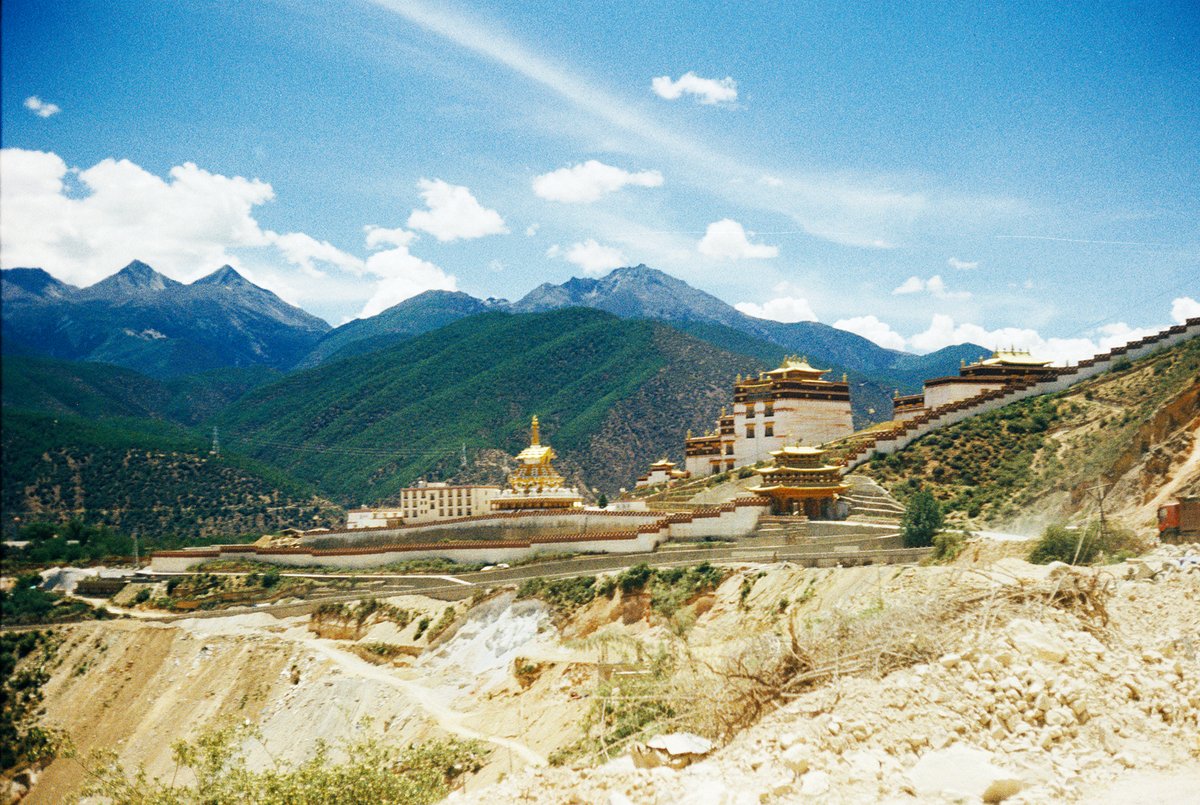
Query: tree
(603, 501)
(922, 519)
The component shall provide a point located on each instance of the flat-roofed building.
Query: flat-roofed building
(427, 503)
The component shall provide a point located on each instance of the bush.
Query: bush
(1084, 546)
(922, 519)
(269, 578)
(947, 545)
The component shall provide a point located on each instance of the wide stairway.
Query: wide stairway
(870, 502)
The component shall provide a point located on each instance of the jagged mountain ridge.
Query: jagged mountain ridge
(140, 319)
(640, 292)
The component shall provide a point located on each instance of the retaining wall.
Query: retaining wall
(735, 519)
(937, 418)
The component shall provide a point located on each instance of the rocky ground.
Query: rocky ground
(986, 679)
(1054, 705)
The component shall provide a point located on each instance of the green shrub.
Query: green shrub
(921, 520)
(1084, 546)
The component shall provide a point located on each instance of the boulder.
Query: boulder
(1035, 640)
(814, 784)
(963, 771)
(676, 750)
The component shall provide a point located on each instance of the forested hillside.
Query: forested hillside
(139, 475)
(363, 427)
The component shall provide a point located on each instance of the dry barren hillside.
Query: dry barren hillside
(847, 685)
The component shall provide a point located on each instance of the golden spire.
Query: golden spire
(739, 377)
(689, 435)
(536, 436)
(845, 377)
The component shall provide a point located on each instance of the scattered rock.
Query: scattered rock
(963, 770)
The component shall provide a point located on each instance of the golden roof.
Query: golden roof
(797, 450)
(536, 453)
(1012, 357)
(794, 364)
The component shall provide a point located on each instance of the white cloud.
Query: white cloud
(589, 181)
(787, 309)
(304, 250)
(41, 108)
(934, 286)
(707, 90)
(594, 258)
(962, 265)
(770, 181)
(532, 230)
(402, 274)
(872, 329)
(788, 306)
(944, 331)
(453, 213)
(1184, 308)
(115, 212)
(378, 236)
(726, 240)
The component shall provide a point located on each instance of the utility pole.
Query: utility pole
(464, 455)
(135, 551)
(216, 442)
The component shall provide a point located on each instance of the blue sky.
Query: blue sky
(919, 173)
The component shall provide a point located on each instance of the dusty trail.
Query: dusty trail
(447, 718)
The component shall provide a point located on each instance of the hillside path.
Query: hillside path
(446, 717)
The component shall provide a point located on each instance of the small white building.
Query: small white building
(427, 503)
(661, 472)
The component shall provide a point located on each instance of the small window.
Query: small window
(729, 449)
(750, 410)
(768, 429)
(768, 409)
(749, 431)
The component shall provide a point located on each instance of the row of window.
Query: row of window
(768, 410)
(768, 430)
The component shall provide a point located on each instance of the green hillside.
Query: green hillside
(101, 390)
(1036, 460)
(362, 427)
(144, 475)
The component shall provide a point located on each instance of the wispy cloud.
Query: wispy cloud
(41, 108)
(831, 207)
(708, 91)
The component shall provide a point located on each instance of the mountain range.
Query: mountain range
(143, 320)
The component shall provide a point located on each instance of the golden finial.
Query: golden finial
(962, 362)
(535, 438)
(739, 377)
(845, 377)
(722, 410)
(689, 435)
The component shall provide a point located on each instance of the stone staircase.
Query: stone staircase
(870, 502)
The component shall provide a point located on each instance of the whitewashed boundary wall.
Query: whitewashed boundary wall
(1066, 378)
